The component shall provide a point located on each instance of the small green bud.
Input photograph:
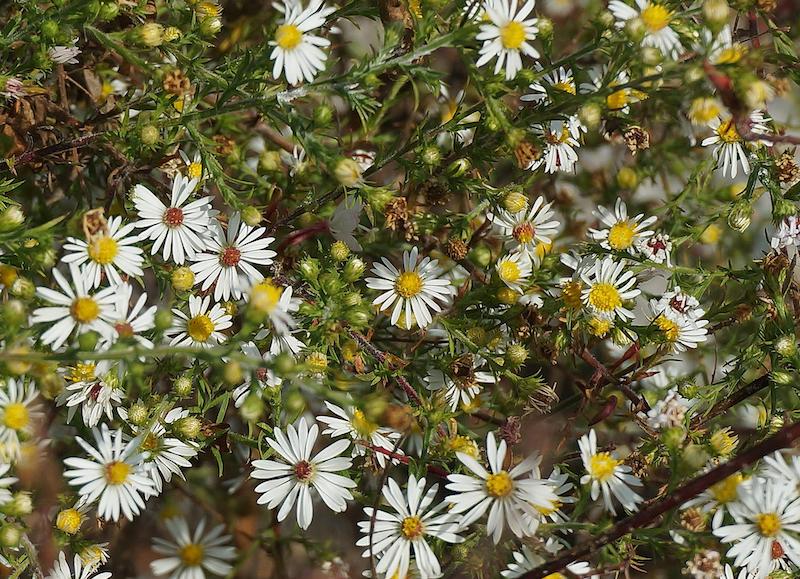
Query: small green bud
(694, 456)
(10, 536)
(340, 251)
(11, 218)
(182, 386)
(182, 278)
(50, 29)
(480, 255)
(151, 34)
(138, 413)
(163, 320)
(516, 354)
(23, 288)
(716, 13)
(740, 215)
(459, 167)
(252, 408)
(149, 135)
(284, 364)
(189, 427)
(545, 28)
(232, 373)
(786, 346)
(590, 114)
(108, 11)
(309, 268)
(431, 156)
(627, 178)
(269, 161)
(673, 437)
(635, 29)
(357, 317)
(21, 505)
(14, 313)
(88, 341)
(348, 172)
(251, 216)
(353, 269)
(323, 115)
(210, 26)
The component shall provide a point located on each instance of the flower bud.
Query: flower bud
(323, 115)
(723, 442)
(458, 167)
(163, 320)
(348, 172)
(284, 364)
(151, 34)
(252, 408)
(353, 269)
(269, 161)
(431, 156)
(357, 317)
(182, 278)
(69, 521)
(627, 178)
(172, 33)
(309, 268)
(786, 346)
(14, 313)
(189, 427)
(635, 29)
(10, 536)
(23, 288)
(11, 218)
(340, 251)
(251, 216)
(49, 29)
(590, 115)
(515, 201)
(740, 215)
(716, 13)
(88, 341)
(21, 505)
(317, 362)
(480, 255)
(516, 354)
(673, 437)
(545, 26)
(232, 373)
(138, 414)
(507, 296)
(210, 26)
(182, 386)
(149, 135)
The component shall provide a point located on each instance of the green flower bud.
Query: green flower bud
(50, 29)
(251, 216)
(740, 216)
(323, 115)
(108, 11)
(431, 156)
(88, 341)
(480, 255)
(590, 114)
(459, 167)
(11, 218)
(14, 313)
(269, 161)
(353, 269)
(674, 437)
(340, 251)
(284, 364)
(189, 427)
(232, 373)
(163, 320)
(10, 536)
(21, 505)
(786, 346)
(182, 278)
(23, 288)
(716, 13)
(635, 29)
(210, 26)
(149, 135)
(150, 34)
(182, 386)
(138, 414)
(252, 408)
(516, 354)
(348, 172)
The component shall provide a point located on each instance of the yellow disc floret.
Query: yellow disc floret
(16, 416)
(117, 472)
(191, 555)
(656, 17)
(621, 235)
(84, 310)
(408, 284)
(412, 527)
(200, 328)
(103, 250)
(500, 484)
(769, 524)
(512, 35)
(288, 36)
(602, 466)
(604, 297)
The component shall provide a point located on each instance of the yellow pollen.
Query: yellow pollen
(195, 170)
(117, 472)
(82, 372)
(730, 55)
(727, 132)
(554, 576)
(599, 327)
(288, 36)
(412, 528)
(512, 35)
(509, 271)
(265, 296)
(669, 327)
(727, 491)
(769, 524)
(571, 294)
(656, 17)
(103, 250)
(191, 555)
(200, 328)
(408, 284)
(69, 521)
(546, 511)
(362, 425)
(604, 297)
(703, 110)
(16, 416)
(621, 234)
(84, 310)
(464, 444)
(602, 466)
(500, 484)
(618, 99)
(565, 87)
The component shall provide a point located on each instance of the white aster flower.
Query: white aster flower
(297, 53)
(74, 309)
(562, 139)
(19, 411)
(179, 229)
(202, 327)
(556, 81)
(608, 475)
(680, 320)
(416, 289)
(788, 234)
(65, 54)
(719, 498)
(526, 560)
(114, 474)
(463, 382)
(514, 270)
(195, 172)
(766, 515)
(621, 232)
(512, 497)
(656, 248)
(93, 388)
(344, 222)
(165, 455)
(62, 570)
(193, 553)
(291, 479)
(527, 229)
(668, 412)
(657, 19)
(352, 422)
(507, 35)
(129, 323)
(396, 533)
(277, 303)
(262, 378)
(5, 482)
(106, 252)
(777, 468)
(229, 258)
(730, 149)
(606, 286)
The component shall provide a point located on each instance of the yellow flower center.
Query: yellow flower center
(8, 275)
(16, 416)
(618, 99)
(730, 55)
(703, 110)
(265, 296)
(604, 297)
(150, 442)
(554, 576)
(82, 372)
(620, 236)
(512, 35)
(288, 36)
(412, 528)
(362, 425)
(191, 555)
(117, 472)
(69, 521)
(546, 511)
(571, 294)
(769, 524)
(195, 170)
(565, 87)
(669, 327)
(656, 17)
(500, 484)
(727, 132)
(408, 284)
(103, 250)
(509, 271)
(84, 310)
(464, 444)
(200, 328)
(599, 327)
(602, 466)
(727, 491)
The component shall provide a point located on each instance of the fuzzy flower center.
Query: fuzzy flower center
(618, 99)
(604, 297)
(669, 327)
(565, 86)
(362, 425)
(509, 271)
(727, 491)
(16, 416)
(69, 521)
(571, 292)
(408, 284)
(265, 297)
(82, 372)
(173, 217)
(727, 132)
(621, 234)
(524, 232)
(191, 555)
(499, 485)
(103, 250)
(304, 471)
(769, 524)
(200, 328)
(602, 465)
(195, 170)
(512, 35)
(230, 256)
(656, 17)
(117, 472)
(288, 36)
(84, 310)
(412, 528)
